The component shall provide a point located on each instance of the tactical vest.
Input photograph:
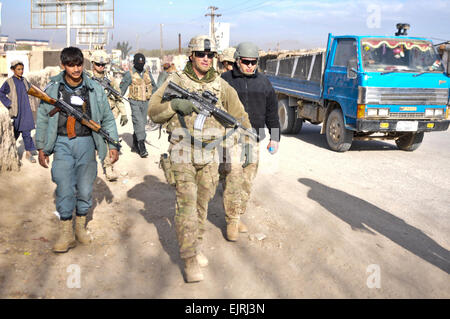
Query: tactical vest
(141, 87)
(215, 88)
(14, 109)
(80, 129)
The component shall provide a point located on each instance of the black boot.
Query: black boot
(135, 147)
(142, 150)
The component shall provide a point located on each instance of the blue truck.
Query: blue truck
(364, 88)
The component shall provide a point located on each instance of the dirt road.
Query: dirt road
(373, 222)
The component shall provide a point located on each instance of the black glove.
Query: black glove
(247, 155)
(182, 106)
(123, 120)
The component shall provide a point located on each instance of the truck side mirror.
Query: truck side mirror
(352, 69)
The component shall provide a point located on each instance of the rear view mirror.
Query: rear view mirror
(352, 69)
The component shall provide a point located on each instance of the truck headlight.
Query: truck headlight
(434, 112)
(429, 112)
(383, 112)
(372, 112)
(377, 112)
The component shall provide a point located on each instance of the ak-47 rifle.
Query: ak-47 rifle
(61, 105)
(204, 107)
(107, 85)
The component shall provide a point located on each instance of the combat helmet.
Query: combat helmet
(100, 57)
(228, 55)
(246, 50)
(202, 43)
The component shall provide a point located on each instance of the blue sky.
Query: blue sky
(293, 24)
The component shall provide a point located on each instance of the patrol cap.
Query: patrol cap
(227, 55)
(100, 57)
(202, 43)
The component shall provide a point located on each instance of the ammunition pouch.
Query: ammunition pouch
(166, 166)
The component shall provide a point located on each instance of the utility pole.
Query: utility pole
(161, 39)
(68, 18)
(213, 15)
(179, 43)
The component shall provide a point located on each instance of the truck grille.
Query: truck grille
(394, 115)
(402, 96)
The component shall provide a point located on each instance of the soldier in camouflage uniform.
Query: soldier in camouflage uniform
(226, 60)
(99, 61)
(260, 101)
(195, 167)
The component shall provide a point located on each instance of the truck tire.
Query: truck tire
(297, 127)
(286, 117)
(410, 141)
(339, 138)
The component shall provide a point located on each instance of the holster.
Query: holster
(166, 166)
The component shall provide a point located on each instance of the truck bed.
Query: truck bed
(298, 76)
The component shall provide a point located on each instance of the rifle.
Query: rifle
(107, 85)
(204, 107)
(61, 105)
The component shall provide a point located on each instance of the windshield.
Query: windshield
(399, 55)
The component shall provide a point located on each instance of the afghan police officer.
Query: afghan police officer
(196, 176)
(141, 86)
(73, 145)
(100, 60)
(260, 101)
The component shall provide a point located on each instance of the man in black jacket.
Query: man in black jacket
(260, 102)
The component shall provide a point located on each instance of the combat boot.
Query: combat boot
(202, 260)
(111, 174)
(135, 147)
(80, 230)
(192, 270)
(142, 150)
(233, 231)
(66, 238)
(242, 227)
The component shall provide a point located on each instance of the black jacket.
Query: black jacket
(259, 99)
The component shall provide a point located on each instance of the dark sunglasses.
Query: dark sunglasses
(100, 64)
(202, 54)
(248, 62)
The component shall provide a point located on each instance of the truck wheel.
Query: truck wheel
(339, 138)
(410, 141)
(298, 124)
(286, 116)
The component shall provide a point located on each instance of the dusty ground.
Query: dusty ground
(326, 218)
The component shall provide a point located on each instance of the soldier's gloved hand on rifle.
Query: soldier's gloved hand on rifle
(123, 120)
(182, 106)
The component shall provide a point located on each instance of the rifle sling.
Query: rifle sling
(208, 146)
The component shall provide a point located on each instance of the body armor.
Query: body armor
(141, 87)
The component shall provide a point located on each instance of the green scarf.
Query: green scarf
(209, 77)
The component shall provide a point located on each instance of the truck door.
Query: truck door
(338, 86)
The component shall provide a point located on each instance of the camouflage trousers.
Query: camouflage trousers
(195, 186)
(237, 185)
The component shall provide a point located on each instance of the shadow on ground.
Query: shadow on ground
(358, 213)
(311, 134)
